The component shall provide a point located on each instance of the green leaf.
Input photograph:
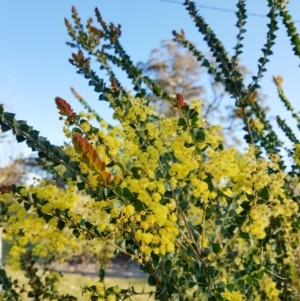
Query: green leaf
(4, 127)
(250, 197)
(231, 229)
(168, 195)
(24, 127)
(160, 295)
(42, 155)
(171, 289)
(80, 186)
(208, 180)
(20, 138)
(119, 191)
(168, 266)
(54, 149)
(183, 205)
(205, 252)
(64, 157)
(82, 223)
(239, 219)
(232, 213)
(155, 259)
(241, 283)
(47, 217)
(200, 136)
(127, 193)
(82, 121)
(138, 205)
(188, 145)
(43, 140)
(202, 281)
(77, 130)
(181, 122)
(249, 280)
(136, 172)
(34, 134)
(76, 233)
(246, 206)
(193, 113)
(68, 174)
(9, 116)
(212, 271)
(19, 188)
(230, 287)
(74, 165)
(217, 296)
(264, 193)
(259, 275)
(193, 121)
(27, 206)
(88, 225)
(151, 281)
(221, 286)
(110, 194)
(41, 202)
(216, 248)
(208, 213)
(244, 235)
(61, 224)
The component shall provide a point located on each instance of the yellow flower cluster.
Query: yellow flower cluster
(257, 124)
(27, 227)
(260, 220)
(153, 229)
(268, 286)
(98, 290)
(233, 296)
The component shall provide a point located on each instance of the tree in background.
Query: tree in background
(176, 69)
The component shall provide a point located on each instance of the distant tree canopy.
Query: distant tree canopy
(175, 70)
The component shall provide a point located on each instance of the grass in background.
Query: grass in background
(72, 283)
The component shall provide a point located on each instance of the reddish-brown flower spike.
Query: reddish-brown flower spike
(113, 84)
(180, 101)
(90, 157)
(80, 60)
(64, 108)
(88, 154)
(6, 189)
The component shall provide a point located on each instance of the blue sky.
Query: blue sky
(34, 66)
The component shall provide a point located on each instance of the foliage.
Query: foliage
(205, 222)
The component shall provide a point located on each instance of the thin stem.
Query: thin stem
(203, 231)
(281, 259)
(158, 281)
(178, 205)
(234, 236)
